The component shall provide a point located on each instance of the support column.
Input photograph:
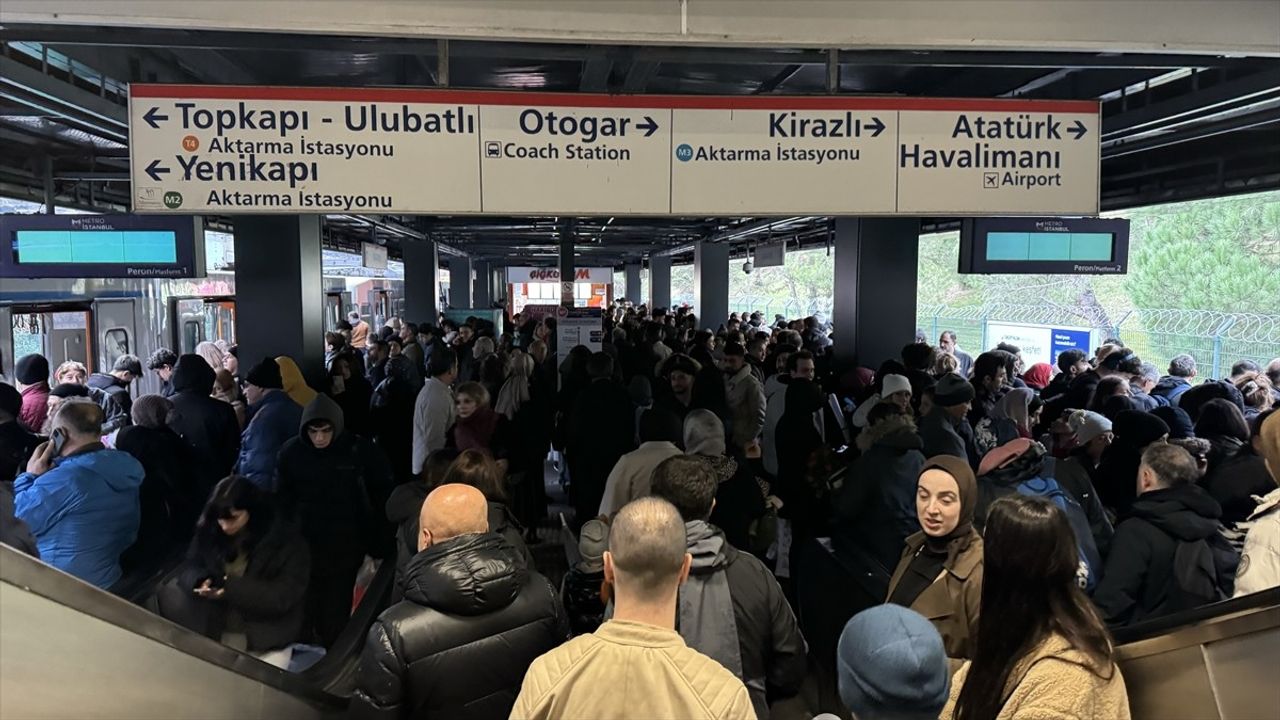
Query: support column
(874, 307)
(279, 291)
(482, 292)
(567, 270)
(459, 282)
(421, 280)
(632, 274)
(659, 281)
(711, 284)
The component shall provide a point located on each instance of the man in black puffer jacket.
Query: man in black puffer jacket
(208, 426)
(473, 619)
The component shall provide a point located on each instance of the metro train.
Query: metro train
(96, 320)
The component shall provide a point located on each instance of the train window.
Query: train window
(117, 344)
(190, 334)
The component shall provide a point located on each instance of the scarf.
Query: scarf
(962, 536)
(514, 394)
(475, 432)
(706, 620)
(703, 434)
(1013, 406)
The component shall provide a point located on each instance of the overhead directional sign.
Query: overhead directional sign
(231, 149)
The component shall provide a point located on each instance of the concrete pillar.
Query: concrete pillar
(460, 282)
(711, 284)
(279, 291)
(659, 281)
(421, 280)
(874, 309)
(567, 270)
(482, 292)
(632, 273)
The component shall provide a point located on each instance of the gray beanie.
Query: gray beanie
(890, 665)
(1087, 425)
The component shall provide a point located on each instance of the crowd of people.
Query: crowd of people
(714, 479)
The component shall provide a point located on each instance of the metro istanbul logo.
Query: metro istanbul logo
(684, 153)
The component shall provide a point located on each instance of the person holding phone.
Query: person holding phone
(79, 498)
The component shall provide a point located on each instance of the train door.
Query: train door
(200, 319)
(61, 332)
(335, 309)
(383, 308)
(116, 330)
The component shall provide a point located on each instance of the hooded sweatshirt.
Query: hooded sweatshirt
(208, 425)
(83, 512)
(294, 385)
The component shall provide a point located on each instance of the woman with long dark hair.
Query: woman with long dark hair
(244, 582)
(1046, 653)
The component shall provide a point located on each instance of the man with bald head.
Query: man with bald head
(472, 620)
(636, 665)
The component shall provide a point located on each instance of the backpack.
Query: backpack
(1203, 572)
(1089, 572)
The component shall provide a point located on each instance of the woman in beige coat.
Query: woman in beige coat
(940, 573)
(1049, 655)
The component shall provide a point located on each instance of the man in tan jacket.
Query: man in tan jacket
(636, 665)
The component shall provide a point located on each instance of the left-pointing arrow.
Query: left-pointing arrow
(154, 118)
(649, 126)
(155, 170)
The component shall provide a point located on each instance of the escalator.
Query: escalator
(70, 650)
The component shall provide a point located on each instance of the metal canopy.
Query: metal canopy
(1175, 126)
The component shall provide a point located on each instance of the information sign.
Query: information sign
(1039, 343)
(230, 149)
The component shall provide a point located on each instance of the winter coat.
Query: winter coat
(954, 601)
(118, 392)
(601, 429)
(83, 511)
(458, 646)
(354, 400)
(433, 415)
(1260, 564)
(746, 401)
(16, 447)
(876, 506)
(35, 406)
(208, 426)
(943, 434)
(503, 522)
(630, 478)
(1171, 388)
(1144, 402)
(1116, 478)
(14, 532)
(630, 669)
(1236, 475)
(273, 421)
(1055, 680)
(113, 418)
(582, 599)
(775, 392)
(331, 492)
(739, 501)
(770, 644)
(1138, 583)
(1073, 476)
(170, 498)
(269, 597)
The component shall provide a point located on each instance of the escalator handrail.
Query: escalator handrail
(28, 573)
(350, 642)
(1149, 629)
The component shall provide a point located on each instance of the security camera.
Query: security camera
(747, 267)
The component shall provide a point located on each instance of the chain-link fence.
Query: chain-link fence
(1217, 340)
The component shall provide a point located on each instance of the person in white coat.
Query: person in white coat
(1260, 562)
(630, 478)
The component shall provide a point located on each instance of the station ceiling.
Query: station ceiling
(1175, 127)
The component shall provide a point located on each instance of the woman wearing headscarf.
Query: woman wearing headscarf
(211, 354)
(940, 572)
(739, 501)
(1010, 418)
(1037, 376)
(295, 386)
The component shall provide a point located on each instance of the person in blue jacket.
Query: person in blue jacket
(274, 418)
(79, 498)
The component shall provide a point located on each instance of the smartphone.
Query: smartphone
(58, 438)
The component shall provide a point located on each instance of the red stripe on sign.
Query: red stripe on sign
(583, 100)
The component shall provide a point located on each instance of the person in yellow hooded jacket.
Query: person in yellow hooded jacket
(295, 386)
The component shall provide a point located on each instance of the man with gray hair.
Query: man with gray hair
(636, 665)
(1182, 368)
(1141, 385)
(79, 498)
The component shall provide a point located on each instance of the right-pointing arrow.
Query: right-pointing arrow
(875, 126)
(155, 170)
(649, 126)
(1078, 130)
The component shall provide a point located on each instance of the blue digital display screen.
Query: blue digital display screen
(95, 246)
(1050, 246)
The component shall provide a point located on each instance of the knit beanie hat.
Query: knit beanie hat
(593, 540)
(1138, 428)
(1199, 395)
(10, 400)
(952, 390)
(1087, 425)
(890, 663)
(31, 369)
(893, 384)
(1179, 422)
(265, 375)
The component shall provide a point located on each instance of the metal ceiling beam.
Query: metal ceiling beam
(1194, 132)
(595, 75)
(786, 73)
(1040, 82)
(212, 66)
(28, 86)
(639, 75)
(1226, 93)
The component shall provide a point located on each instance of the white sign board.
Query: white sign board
(772, 255)
(225, 149)
(552, 274)
(373, 256)
(1038, 343)
(578, 326)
